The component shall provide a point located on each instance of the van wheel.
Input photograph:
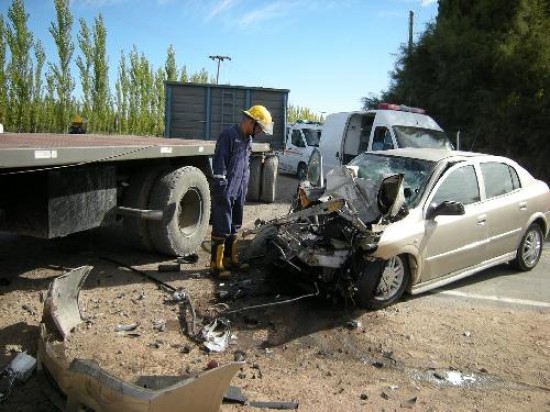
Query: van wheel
(269, 179)
(302, 172)
(255, 181)
(382, 283)
(137, 196)
(183, 195)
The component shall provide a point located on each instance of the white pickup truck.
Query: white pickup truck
(301, 138)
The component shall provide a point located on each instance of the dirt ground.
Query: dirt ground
(428, 353)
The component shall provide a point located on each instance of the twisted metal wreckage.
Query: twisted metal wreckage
(327, 239)
(80, 384)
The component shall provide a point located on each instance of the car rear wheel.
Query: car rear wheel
(383, 284)
(529, 250)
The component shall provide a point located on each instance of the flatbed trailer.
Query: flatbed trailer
(52, 185)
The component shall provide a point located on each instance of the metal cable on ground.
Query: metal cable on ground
(264, 305)
(141, 272)
(183, 297)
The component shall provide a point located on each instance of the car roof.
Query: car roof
(430, 154)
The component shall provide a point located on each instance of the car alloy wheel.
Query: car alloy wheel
(392, 279)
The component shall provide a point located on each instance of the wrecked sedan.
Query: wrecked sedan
(405, 220)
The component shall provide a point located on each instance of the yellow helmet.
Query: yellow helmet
(262, 116)
(78, 119)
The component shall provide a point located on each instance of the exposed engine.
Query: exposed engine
(326, 240)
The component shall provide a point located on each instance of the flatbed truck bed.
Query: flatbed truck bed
(52, 185)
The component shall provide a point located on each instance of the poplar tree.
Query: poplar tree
(100, 77)
(3, 80)
(37, 115)
(64, 83)
(122, 97)
(170, 65)
(84, 64)
(19, 71)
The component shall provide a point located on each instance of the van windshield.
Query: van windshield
(312, 137)
(408, 136)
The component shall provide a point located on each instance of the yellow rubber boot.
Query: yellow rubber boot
(217, 246)
(231, 255)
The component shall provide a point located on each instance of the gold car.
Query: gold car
(407, 220)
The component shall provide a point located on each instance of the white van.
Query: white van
(347, 134)
(301, 138)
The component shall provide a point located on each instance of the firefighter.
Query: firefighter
(77, 126)
(229, 185)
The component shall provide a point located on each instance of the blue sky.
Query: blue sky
(328, 53)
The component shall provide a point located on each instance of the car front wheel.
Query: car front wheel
(529, 250)
(383, 284)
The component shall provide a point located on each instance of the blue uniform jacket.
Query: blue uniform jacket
(231, 163)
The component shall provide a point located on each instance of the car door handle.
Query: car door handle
(522, 205)
(481, 219)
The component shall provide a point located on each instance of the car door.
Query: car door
(454, 243)
(507, 210)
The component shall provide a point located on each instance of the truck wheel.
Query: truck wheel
(183, 195)
(137, 196)
(255, 182)
(269, 179)
(302, 172)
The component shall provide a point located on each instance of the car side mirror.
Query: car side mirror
(447, 208)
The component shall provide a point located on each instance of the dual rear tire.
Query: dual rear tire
(183, 196)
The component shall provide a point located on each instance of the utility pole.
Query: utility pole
(219, 59)
(411, 19)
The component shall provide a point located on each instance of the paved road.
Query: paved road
(505, 284)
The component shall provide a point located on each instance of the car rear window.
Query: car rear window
(499, 179)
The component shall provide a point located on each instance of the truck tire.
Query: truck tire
(137, 196)
(255, 181)
(269, 179)
(184, 197)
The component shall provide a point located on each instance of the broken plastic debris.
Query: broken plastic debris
(190, 258)
(216, 335)
(179, 296)
(127, 328)
(18, 371)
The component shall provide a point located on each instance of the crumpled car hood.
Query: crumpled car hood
(372, 199)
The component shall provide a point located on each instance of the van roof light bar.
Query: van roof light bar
(400, 107)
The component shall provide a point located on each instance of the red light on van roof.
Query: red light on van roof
(400, 107)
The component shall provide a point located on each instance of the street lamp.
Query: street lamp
(219, 59)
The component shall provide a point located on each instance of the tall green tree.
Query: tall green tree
(19, 72)
(170, 66)
(483, 68)
(37, 114)
(3, 79)
(122, 97)
(84, 63)
(100, 78)
(64, 83)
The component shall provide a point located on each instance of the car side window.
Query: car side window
(460, 186)
(297, 139)
(499, 179)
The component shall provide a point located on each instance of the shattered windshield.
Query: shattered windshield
(408, 136)
(415, 171)
(312, 136)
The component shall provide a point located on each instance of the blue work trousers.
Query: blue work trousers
(227, 213)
